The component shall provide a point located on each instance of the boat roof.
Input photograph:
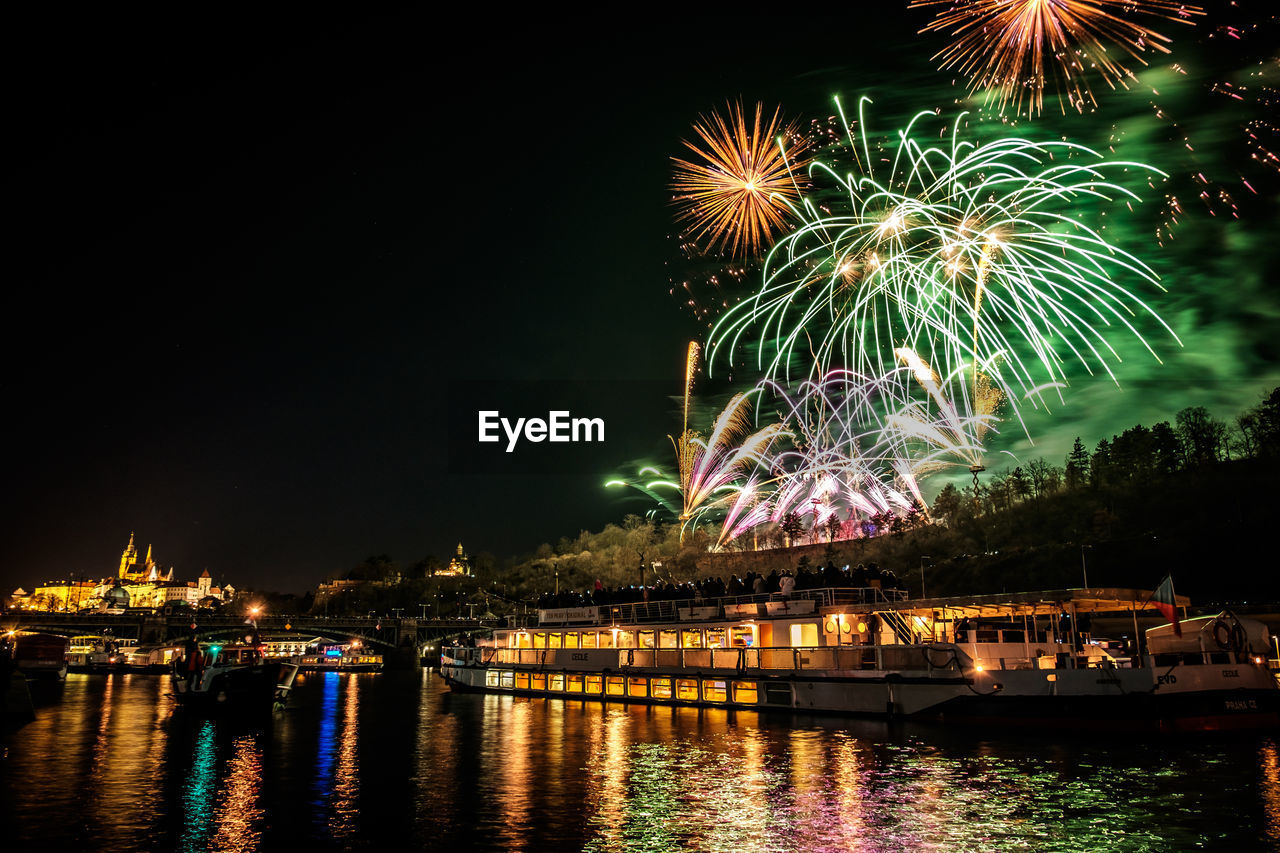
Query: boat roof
(1044, 602)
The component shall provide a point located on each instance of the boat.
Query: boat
(154, 658)
(95, 654)
(37, 655)
(1026, 658)
(233, 677)
(349, 657)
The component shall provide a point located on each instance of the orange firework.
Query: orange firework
(735, 194)
(1005, 45)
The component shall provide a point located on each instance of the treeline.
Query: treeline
(1140, 454)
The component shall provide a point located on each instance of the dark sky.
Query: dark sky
(259, 262)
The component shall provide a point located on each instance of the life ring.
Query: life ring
(1229, 637)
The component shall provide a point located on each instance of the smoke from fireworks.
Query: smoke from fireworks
(1015, 47)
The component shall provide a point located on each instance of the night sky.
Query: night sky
(262, 265)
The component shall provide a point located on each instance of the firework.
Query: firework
(733, 195)
(972, 256)
(1013, 46)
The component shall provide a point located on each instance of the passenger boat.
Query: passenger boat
(1019, 658)
(232, 678)
(95, 654)
(38, 655)
(150, 658)
(351, 657)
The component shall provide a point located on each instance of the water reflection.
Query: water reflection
(396, 760)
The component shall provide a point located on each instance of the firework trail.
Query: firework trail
(972, 256)
(1014, 47)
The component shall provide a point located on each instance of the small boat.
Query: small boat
(232, 678)
(95, 654)
(37, 655)
(1015, 659)
(351, 657)
(151, 658)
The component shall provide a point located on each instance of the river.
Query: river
(376, 761)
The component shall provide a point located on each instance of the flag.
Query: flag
(1165, 602)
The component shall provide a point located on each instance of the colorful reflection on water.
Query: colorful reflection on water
(394, 759)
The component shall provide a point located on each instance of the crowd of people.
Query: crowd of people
(779, 583)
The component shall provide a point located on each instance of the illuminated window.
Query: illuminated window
(553, 640)
(522, 681)
(661, 688)
(692, 638)
(687, 689)
(571, 640)
(508, 680)
(538, 681)
(540, 640)
(716, 638)
(555, 682)
(606, 639)
(804, 636)
(592, 684)
(669, 639)
(638, 686)
(573, 684)
(588, 639)
(745, 692)
(627, 639)
(713, 691)
(491, 678)
(743, 635)
(616, 686)
(646, 640)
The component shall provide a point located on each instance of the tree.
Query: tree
(1200, 435)
(1100, 473)
(1166, 449)
(833, 527)
(947, 503)
(1077, 472)
(792, 528)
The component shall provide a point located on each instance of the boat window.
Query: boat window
(588, 639)
(508, 680)
(661, 687)
(537, 681)
(491, 678)
(573, 684)
(540, 639)
(553, 640)
(692, 638)
(713, 691)
(804, 635)
(571, 639)
(616, 686)
(555, 681)
(638, 686)
(606, 639)
(646, 640)
(592, 684)
(687, 689)
(626, 639)
(742, 635)
(522, 681)
(716, 638)
(745, 692)
(668, 638)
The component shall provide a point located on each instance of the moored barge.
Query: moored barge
(1024, 658)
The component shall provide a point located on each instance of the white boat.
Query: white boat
(1021, 658)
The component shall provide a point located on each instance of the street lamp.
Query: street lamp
(923, 557)
(424, 611)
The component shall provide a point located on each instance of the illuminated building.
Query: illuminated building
(459, 565)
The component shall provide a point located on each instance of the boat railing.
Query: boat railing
(928, 657)
(730, 606)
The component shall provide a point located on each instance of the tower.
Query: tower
(129, 558)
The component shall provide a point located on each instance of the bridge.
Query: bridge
(160, 627)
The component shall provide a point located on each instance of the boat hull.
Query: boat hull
(1184, 699)
(237, 689)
